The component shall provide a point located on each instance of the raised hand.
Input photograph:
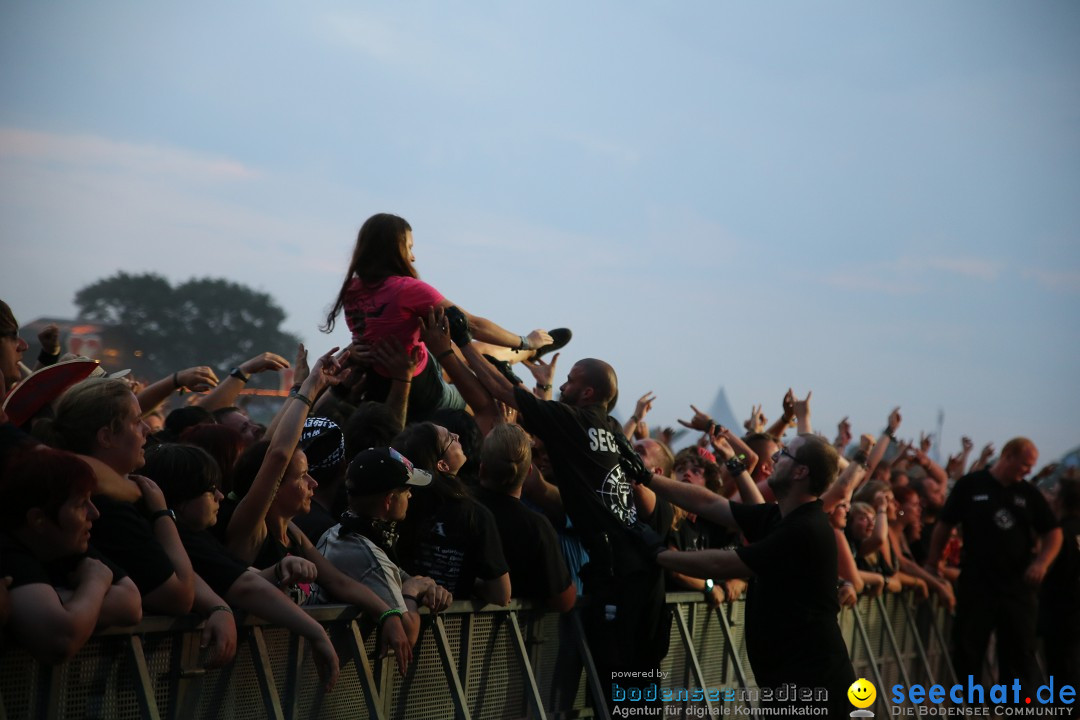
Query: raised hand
(390, 354)
(197, 378)
(788, 404)
(459, 326)
(435, 331)
(542, 372)
(644, 405)
(802, 407)
(894, 421)
(843, 433)
(49, 338)
(925, 441)
(700, 421)
(757, 421)
(263, 362)
(537, 339)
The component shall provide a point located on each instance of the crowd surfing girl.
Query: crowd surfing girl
(383, 298)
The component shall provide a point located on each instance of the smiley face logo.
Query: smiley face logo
(862, 693)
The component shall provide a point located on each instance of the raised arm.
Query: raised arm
(715, 564)
(485, 330)
(778, 428)
(843, 486)
(644, 405)
(247, 528)
(194, 378)
(435, 332)
(802, 414)
(226, 392)
(882, 444)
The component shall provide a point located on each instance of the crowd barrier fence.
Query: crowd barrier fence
(471, 662)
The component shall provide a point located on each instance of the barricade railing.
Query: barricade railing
(472, 661)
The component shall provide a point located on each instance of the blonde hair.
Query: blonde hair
(506, 457)
(85, 408)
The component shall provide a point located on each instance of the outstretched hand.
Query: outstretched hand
(199, 378)
(331, 369)
(263, 362)
(802, 407)
(543, 372)
(435, 331)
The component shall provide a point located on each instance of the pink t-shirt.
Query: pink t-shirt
(390, 309)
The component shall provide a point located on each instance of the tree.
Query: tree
(203, 321)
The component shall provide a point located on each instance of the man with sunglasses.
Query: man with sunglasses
(792, 635)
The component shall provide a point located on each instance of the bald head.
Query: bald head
(590, 382)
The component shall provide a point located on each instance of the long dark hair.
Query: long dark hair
(420, 443)
(380, 253)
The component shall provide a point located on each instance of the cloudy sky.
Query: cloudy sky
(876, 201)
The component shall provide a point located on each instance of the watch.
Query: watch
(709, 585)
(239, 375)
(167, 512)
(735, 465)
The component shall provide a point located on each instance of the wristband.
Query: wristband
(176, 381)
(162, 513)
(392, 611)
(302, 398)
(48, 358)
(401, 380)
(543, 388)
(219, 608)
(444, 353)
(239, 375)
(411, 597)
(524, 343)
(889, 433)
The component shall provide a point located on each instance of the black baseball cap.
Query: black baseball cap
(378, 470)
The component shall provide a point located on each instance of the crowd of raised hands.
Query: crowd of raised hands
(152, 540)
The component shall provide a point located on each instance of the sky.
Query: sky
(878, 202)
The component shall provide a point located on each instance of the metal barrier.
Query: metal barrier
(471, 661)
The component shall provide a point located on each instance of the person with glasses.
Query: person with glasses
(189, 478)
(448, 535)
(792, 635)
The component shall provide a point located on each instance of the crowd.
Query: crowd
(415, 467)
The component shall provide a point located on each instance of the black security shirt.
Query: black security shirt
(999, 524)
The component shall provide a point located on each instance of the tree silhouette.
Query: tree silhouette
(203, 321)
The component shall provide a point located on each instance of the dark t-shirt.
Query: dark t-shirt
(316, 522)
(211, 560)
(999, 524)
(124, 534)
(537, 568)
(595, 491)
(19, 562)
(792, 633)
(1060, 592)
(454, 546)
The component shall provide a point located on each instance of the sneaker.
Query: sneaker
(559, 338)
